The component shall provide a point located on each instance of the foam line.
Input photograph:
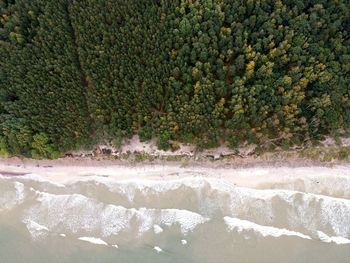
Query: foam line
(327, 239)
(265, 231)
(93, 240)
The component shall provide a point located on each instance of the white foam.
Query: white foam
(187, 220)
(19, 190)
(157, 229)
(62, 235)
(93, 240)
(309, 212)
(183, 242)
(258, 204)
(75, 213)
(305, 212)
(243, 225)
(131, 186)
(15, 195)
(115, 246)
(265, 231)
(338, 240)
(36, 230)
(158, 249)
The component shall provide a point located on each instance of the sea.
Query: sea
(188, 220)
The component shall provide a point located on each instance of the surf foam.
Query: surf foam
(157, 249)
(75, 213)
(157, 229)
(93, 240)
(338, 240)
(12, 196)
(36, 230)
(265, 231)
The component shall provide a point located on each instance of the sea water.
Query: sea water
(186, 220)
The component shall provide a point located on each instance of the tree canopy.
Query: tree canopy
(201, 71)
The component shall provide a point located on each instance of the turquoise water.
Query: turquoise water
(189, 220)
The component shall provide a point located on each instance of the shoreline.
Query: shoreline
(317, 178)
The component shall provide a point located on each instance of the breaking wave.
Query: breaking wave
(104, 208)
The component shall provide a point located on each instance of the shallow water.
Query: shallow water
(188, 220)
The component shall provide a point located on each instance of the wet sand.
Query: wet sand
(9, 173)
(332, 181)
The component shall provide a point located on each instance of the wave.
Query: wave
(157, 229)
(77, 213)
(93, 240)
(338, 240)
(304, 212)
(105, 207)
(96, 241)
(158, 249)
(36, 230)
(244, 225)
(13, 194)
(297, 210)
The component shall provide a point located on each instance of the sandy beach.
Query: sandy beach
(116, 208)
(317, 179)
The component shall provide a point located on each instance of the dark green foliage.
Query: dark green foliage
(40, 80)
(123, 55)
(185, 70)
(259, 69)
(163, 141)
(145, 134)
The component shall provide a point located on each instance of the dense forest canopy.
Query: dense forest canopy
(74, 72)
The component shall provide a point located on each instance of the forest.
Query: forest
(74, 73)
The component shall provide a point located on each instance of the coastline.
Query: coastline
(331, 179)
(150, 191)
(323, 169)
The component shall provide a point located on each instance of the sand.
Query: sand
(169, 210)
(332, 181)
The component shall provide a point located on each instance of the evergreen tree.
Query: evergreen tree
(201, 71)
